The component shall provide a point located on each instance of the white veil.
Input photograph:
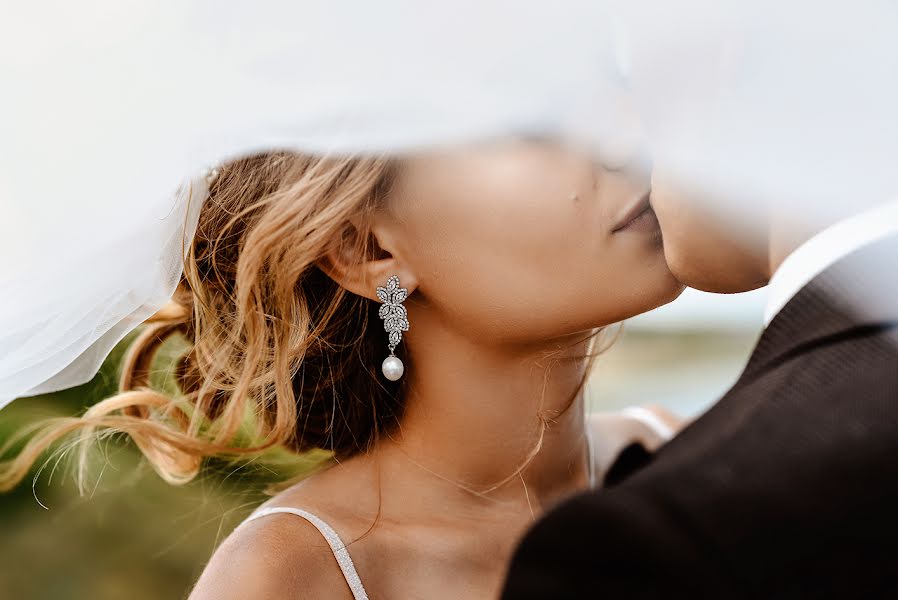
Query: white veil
(109, 106)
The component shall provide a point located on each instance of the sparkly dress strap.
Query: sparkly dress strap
(333, 540)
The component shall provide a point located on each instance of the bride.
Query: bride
(430, 319)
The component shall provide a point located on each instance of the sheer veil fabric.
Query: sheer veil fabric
(111, 108)
(60, 323)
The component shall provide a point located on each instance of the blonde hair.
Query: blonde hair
(274, 342)
(279, 355)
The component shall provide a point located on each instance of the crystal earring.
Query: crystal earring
(395, 318)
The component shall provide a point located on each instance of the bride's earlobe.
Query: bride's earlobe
(361, 266)
(374, 273)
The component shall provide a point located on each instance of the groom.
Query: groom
(788, 486)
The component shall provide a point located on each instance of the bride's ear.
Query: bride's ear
(359, 262)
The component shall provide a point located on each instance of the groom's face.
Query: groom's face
(707, 248)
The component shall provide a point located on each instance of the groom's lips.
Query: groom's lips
(639, 217)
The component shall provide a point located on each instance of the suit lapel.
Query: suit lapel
(860, 290)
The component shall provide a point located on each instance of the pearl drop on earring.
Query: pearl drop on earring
(392, 368)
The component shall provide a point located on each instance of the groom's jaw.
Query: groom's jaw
(704, 254)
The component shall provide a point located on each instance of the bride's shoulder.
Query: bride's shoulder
(273, 556)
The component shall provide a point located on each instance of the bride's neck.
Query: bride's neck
(475, 415)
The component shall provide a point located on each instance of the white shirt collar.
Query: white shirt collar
(827, 247)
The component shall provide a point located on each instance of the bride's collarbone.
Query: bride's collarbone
(395, 557)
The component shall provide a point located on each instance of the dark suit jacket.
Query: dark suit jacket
(786, 488)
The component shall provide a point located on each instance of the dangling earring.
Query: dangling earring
(395, 318)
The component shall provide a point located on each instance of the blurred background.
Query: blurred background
(133, 535)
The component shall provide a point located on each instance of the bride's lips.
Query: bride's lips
(638, 217)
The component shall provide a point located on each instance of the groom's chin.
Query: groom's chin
(713, 266)
(710, 252)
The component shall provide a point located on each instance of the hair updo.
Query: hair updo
(274, 344)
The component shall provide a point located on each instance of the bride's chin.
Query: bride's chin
(668, 290)
(672, 287)
(677, 288)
